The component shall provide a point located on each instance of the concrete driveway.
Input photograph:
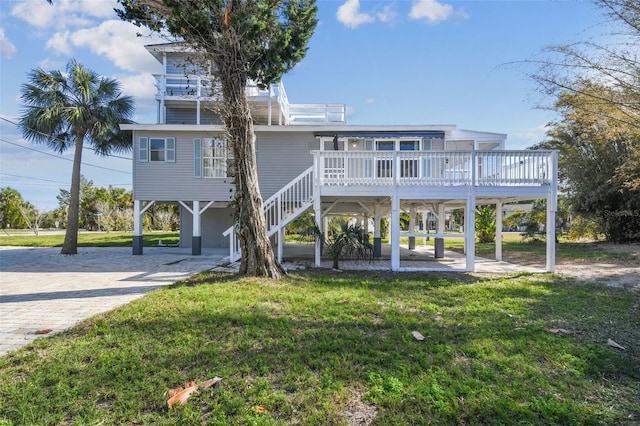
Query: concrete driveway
(42, 290)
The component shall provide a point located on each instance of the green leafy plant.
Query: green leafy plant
(348, 241)
(485, 224)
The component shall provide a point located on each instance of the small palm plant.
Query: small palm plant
(350, 241)
(485, 224)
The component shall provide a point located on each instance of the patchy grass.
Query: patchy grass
(322, 348)
(89, 239)
(523, 252)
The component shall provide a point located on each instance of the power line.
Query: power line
(62, 158)
(32, 178)
(60, 140)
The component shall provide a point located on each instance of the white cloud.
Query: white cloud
(50, 64)
(349, 14)
(138, 86)
(431, 10)
(59, 42)
(142, 88)
(388, 15)
(524, 138)
(370, 101)
(7, 49)
(63, 13)
(117, 41)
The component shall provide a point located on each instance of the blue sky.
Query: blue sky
(392, 62)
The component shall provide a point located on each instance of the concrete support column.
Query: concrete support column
(395, 232)
(470, 233)
(412, 227)
(280, 243)
(499, 230)
(438, 242)
(377, 237)
(137, 228)
(196, 239)
(440, 223)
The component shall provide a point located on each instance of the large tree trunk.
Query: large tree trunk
(250, 224)
(70, 245)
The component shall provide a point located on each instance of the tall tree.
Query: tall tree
(598, 162)
(74, 108)
(10, 202)
(256, 40)
(610, 60)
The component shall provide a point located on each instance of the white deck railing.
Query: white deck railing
(434, 168)
(281, 208)
(193, 87)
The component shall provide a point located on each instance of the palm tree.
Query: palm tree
(349, 241)
(66, 109)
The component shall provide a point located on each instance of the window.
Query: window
(157, 149)
(211, 157)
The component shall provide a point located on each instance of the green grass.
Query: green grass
(89, 239)
(315, 346)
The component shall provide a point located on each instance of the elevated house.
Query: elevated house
(310, 158)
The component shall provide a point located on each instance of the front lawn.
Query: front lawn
(326, 348)
(88, 239)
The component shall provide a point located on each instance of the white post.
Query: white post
(163, 89)
(499, 230)
(377, 236)
(425, 226)
(196, 240)
(441, 219)
(317, 209)
(470, 233)
(280, 243)
(395, 231)
(551, 237)
(552, 206)
(269, 107)
(137, 228)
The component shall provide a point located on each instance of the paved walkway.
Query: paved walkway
(44, 291)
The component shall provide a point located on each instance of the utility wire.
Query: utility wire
(60, 140)
(62, 158)
(54, 181)
(28, 177)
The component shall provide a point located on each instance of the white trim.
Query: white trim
(143, 149)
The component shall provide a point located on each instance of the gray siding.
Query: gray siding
(164, 181)
(282, 157)
(214, 222)
(178, 63)
(188, 116)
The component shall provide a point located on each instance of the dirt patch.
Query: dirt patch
(609, 274)
(621, 270)
(358, 412)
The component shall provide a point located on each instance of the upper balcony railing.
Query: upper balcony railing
(435, 168)
(193, 87)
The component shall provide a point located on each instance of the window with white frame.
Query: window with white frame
(157, 149)
(211, 156)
